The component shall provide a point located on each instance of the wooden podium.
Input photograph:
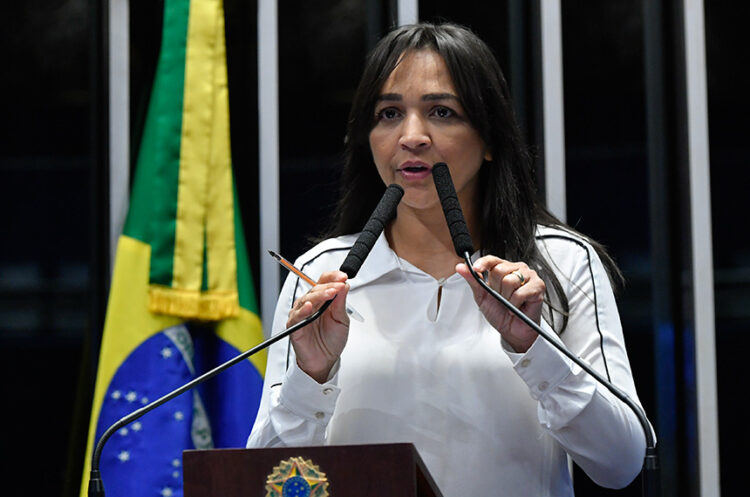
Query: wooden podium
(387, 470)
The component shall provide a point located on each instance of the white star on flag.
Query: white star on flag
(166, 353)
(123, 456)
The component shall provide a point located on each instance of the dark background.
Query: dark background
(626, 184)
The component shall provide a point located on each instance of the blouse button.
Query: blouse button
(327, 390)
(543, 386)
(525, 363)
(319, 415)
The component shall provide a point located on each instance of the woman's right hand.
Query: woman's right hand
(319, 345)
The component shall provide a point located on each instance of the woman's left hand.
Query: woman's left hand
(520, 285)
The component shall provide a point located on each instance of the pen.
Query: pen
(288, 265)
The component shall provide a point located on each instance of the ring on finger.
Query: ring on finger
(520, 277)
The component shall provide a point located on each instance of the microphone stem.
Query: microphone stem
(650, 462)
(96, 489)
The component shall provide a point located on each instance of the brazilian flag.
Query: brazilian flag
(182, 299)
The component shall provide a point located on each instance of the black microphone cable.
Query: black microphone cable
(383, 213)
(464, 248)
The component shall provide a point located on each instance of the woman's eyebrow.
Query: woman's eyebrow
(439, 96)
(390, 97)
(397, 97)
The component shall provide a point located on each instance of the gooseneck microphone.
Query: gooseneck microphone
(464, 248)
(383, 213)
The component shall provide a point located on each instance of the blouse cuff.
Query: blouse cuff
(307, 398)
(562, 388)
(542, 367)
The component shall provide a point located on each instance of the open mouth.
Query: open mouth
(415, 167)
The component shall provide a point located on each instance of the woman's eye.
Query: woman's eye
(443, 112)
(387, 114)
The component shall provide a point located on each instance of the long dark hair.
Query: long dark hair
(508, 205)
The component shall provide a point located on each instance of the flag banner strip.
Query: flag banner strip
(204, 224)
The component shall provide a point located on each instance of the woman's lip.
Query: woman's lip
(417, 165)
(414, 173)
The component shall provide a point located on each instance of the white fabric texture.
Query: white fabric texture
(486, 420)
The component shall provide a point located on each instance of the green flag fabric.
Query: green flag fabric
(182, 299)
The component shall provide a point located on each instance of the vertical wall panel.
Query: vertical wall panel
(607, 169)
(728, 79)
(268, 143)
(119, 121)
(554, 117)
(702, 251)
(408, 12)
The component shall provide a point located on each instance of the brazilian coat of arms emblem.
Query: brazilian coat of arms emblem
(296, 477)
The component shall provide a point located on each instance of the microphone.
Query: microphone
(383, 213)
(454, 216)
(462, 243)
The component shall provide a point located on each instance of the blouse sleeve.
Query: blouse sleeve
(600, 432)
(294, 409)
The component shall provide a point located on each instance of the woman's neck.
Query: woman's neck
(422, 238)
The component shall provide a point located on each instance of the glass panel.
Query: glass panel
(505, 27)
(241, 17)
(48, 141)
(607, 168)
(728, 108)
(322, 48)
(491, 25)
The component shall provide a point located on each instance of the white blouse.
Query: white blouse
(486, 420)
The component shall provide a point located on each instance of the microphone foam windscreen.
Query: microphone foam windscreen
(454, 216)
(383, 213)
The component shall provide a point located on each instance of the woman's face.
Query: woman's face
(419, 121)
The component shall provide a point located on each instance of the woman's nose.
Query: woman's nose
(414, 133)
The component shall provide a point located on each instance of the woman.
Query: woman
(491, 408)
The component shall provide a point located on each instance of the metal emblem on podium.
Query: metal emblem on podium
(296, 477)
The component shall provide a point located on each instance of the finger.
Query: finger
(311, 302)
(479, 292)
(530, 293)
(317, 295)
(513, 281)
(497, 278)
(296, 315)
(482, 266)
(487, 263)
(322, 292)
(333, 276)
(337, 310)
(530, 298)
